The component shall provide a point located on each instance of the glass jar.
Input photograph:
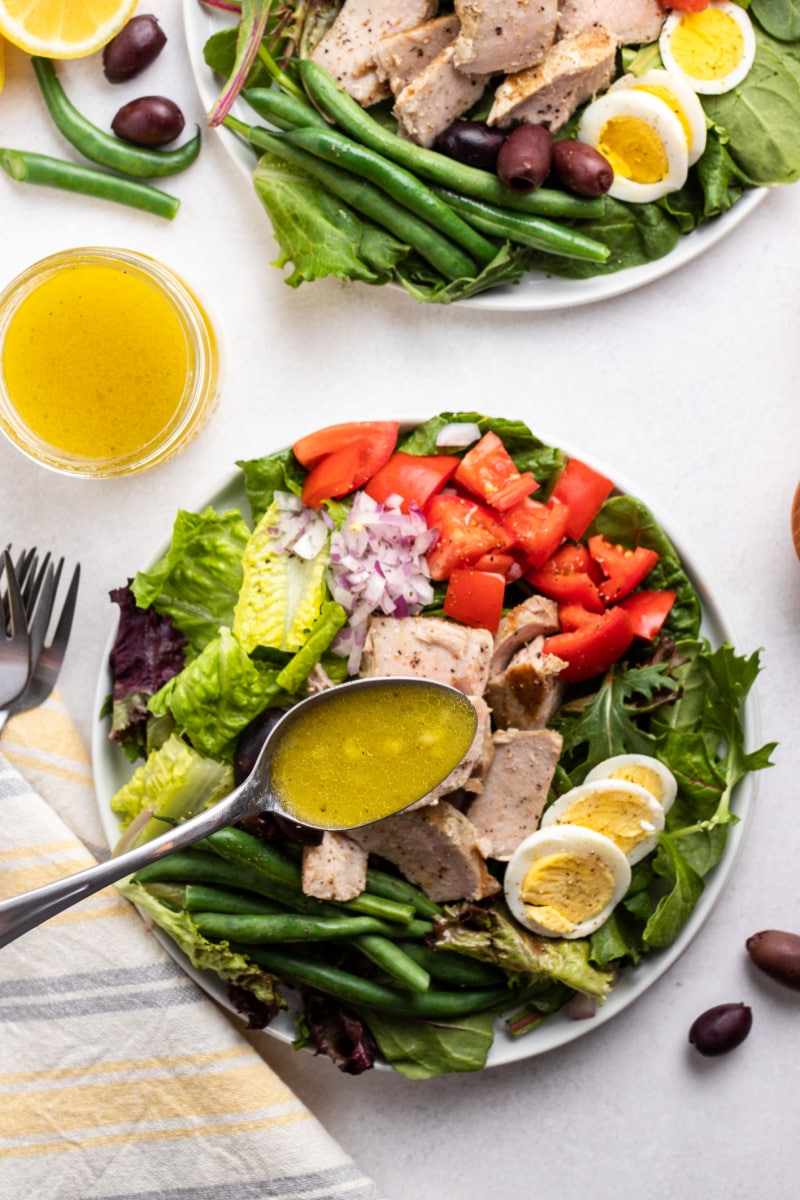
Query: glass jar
(109, 363)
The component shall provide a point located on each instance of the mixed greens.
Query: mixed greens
(225, 632)
(328, 171)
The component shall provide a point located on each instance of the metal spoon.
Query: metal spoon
(255, 795)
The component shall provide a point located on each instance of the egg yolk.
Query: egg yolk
(625, 819)
(707, 45)
(562, 890)
(667, 97)
(634, 149)
(646, 777)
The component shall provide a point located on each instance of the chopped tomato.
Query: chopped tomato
(467, 531)
(342, 458)
(500, 564)
(537, 528)
(414, 477)
(584, 490)
(475, 598)
(489, 471)
(569, 577)
(648, 611)
(624, 569)
(589, 643)
(310, 449)
(685, 5)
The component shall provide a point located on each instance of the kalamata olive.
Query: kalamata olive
(582, 169)
(250, 741)
(136, 45)
(721, 1029)
(471, 142)
(525, 157)
(777, 954)
(148, 121)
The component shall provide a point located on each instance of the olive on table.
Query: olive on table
(149, 121)
(720, 1029)
(471, 142)
(135, 47)
(582, 169)
(777, 954)
(525, 157)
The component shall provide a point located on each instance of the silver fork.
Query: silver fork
(15, 642)
(46, 660)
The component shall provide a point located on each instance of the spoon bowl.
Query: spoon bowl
(405, 733)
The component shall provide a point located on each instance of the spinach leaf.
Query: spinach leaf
(634, 233)
(508, 266)
(759, 117)
(424, 1049)
(780, 18)
(528, 452)
(263, 477)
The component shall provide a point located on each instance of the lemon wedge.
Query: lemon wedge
(63, 28)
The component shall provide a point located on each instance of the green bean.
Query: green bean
(393, 888)
(397, 182)
(27, 167)
(284, 927)
(284, 111)
(104, 148)
(242, 848)
(197, 897)
(448, 259)
(352, 989)
(525, 229)
(452, 968)
(392, 959)
(470, 181)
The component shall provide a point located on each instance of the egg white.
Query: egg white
(558, 840)
(619, 765)
(562, 812)
(710, 87)
(682, 100)
(647, 108)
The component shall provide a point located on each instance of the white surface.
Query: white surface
(536, 292)
(688, 386)
(112, 770)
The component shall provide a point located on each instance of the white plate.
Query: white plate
(536, 292)
(112, 770)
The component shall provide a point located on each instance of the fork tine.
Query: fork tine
(39, 617)
(16, 609)
(61, 635)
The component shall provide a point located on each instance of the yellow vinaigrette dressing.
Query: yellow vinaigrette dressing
(370, 754)
(107, 362)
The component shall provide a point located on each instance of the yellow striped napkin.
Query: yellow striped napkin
(118, 1076)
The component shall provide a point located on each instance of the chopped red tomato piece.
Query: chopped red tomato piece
(584, 490)
(589, 643)
(475, 598)
(624, 569)
(467, 531)
(570, 577)
(489, 471)
(537, 528)
(343, 457)
(648, 611)
(500, 564)
(685, 5)
(414, 477)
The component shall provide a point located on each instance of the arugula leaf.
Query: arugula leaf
(674, 909)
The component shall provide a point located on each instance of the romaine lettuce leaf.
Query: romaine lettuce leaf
(174, 781)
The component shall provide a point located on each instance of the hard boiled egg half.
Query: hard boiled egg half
(625, 812)
(565, 881)
(713, 50)
(643, 140)
(642, 769)
(679, 97)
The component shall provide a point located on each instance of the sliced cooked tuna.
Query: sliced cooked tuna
(534, 618)
(435, 98)
(631, 22)
(401, 56)
(504, 35)
(475, 762)
(528, 692)
(431, 648)
(436, 848)
(347, 49)
(336, 869)
(515, 788)
(571, 72)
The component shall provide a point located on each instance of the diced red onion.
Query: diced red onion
(300, 530)
(581, 1007)
(458, 434)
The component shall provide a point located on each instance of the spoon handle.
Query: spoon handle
(19, 914)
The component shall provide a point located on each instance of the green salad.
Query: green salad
(458, 525)
(351, 193)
